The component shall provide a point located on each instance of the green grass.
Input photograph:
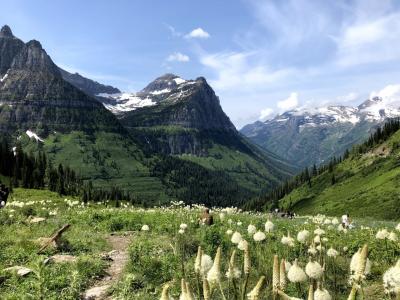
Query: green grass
(367, 186)
(162, 255)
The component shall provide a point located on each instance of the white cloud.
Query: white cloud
(241, 70)
(198, 33)
(173, 31)
(266, 113)
(348, 97)
(289, 103)
(177, 56)
(390, 94)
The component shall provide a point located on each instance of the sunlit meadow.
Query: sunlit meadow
(172, 256)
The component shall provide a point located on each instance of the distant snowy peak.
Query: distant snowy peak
(168, 87)
(373, 110)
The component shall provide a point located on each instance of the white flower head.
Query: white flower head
(314, 270)
(236, 237)
(398, 227)
(296, 273)
(229, 232)
(206, 264)
(391, 279)
(393, 237)
(183, 226)
(332, 252)
(145, 228)
(303, 236)
(382, 234)
(269, 226)
(259, 236)
(287, 240)
(181, 231)
(317, 239)
(242, 245)
(251, 229)
(322, 294)
(319, 231)
(335, 221)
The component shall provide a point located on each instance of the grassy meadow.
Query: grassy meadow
(166, 251)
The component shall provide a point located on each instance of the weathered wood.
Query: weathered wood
(55, 237)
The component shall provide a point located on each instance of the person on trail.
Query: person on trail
(4, 192)
(346, 221)
(206, 218)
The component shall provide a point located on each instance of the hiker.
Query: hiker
(4, 192)
(206, 218)
(346, 221)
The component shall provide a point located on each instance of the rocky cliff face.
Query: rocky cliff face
(33, 94)
(86, 85)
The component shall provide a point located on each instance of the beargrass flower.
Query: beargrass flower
(145, 228)
(288, 240)
(382, 234)
(229, 232)
(282, 275)
(314, 270)
(303, 236)
(296, 273)
(259, 236)
(255, 292)
(332, 252)
(214, 275)
(391, 279)
(236, 237)
(242, 245)
(393, 237)
(269, 226)
(251, 229)
(233, 272)
(183, 226)
(322, 294)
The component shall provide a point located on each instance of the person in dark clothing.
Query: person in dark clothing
(4, 192)
(206, 218)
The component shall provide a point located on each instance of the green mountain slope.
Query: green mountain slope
(366, 184)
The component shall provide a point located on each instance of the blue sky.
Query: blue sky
(261, 57)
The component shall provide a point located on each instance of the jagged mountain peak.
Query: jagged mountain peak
(6, 32)
(164, 83)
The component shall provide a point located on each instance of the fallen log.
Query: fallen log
(55, 237)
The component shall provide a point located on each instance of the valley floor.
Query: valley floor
(161, 246)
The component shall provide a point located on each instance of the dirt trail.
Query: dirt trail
(119, 258)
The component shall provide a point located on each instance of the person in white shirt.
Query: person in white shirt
(345, 221)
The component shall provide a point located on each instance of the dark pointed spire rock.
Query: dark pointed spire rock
(6, 32)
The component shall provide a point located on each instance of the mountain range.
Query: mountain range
(312, 136)
(171, 140)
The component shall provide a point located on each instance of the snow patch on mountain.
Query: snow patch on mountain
(126, 102)
(31, 135)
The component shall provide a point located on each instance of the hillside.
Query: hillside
(40, 110)
(183, 118)
(366, 184)
(308, 136)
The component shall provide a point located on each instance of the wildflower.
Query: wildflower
(320, 248)
(255, 293)
(222, 216)
(398, 227)
(317, 239)
(251, 229)
(312, 250)
(288, 265)
(197, 263)
(229, 232)
(314, 270)
(325, 239)
(332, 252)
(319, 231)
(233, 272)
(239, 223)
(206, 264)
(236, 237)
(360, 265)
(165, 293)
(259, 236)
(181, 231)
(296, 274)
(242, 245)
(183, 226)
(282, 275)
(393, 237)
(286, 297)
(145, 228)
(391, 279)
(288, 240)
(206, 290)
(322, 294)
(246, 262)
(214, 275)
(184, 294)
(275, 274)
(269, 226)
(382, 234)
(335, 221)
(303, 236)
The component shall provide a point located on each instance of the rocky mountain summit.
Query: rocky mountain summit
(313, 135)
